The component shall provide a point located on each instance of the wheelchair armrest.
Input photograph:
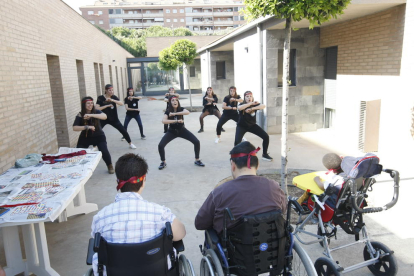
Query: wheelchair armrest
(179, 245)
(89, 256)
(213, 236)
(96, 242)
(168, 230)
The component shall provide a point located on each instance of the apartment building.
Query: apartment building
(196, 15)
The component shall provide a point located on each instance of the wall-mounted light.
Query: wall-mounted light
(113, 60)
(247, 49)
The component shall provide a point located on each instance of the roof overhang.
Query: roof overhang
(356, 9)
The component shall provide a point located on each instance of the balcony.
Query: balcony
(223, 13)
(126, 16)
(199, 14)
(223, 22)
(200, 23)
(137, 25)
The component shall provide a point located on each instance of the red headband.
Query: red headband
(252, 153)
(247, 93)
(87, 100)
(172, 97)
(133, 180)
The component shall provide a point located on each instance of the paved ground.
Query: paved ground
(183, 187)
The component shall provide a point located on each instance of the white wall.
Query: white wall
(246, 65)
(205, 80)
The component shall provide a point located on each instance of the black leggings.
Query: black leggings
(206, 113)
(100, 141)
(255, 129)
(183, 133)
(223, 119)
(117, 124)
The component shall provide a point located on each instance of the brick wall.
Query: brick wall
(370, 45)
(31, 30)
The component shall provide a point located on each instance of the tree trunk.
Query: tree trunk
(285, 105)
(189, 88)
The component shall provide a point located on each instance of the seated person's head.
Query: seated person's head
(130, 170)
(241, 161)
(332, 161)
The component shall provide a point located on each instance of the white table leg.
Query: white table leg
(36, 249)
(11, 240)
(82, 206)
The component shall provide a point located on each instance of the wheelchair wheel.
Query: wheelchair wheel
(301, 263)
(184, 267)
(387, 265)
(210, 264)
(326, 267)
(320, 234)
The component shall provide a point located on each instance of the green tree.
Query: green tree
(181, 53)
(317, 12)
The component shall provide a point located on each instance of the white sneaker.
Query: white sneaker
(244, 139)
(132, 146)
(218, 140)
(95, 148)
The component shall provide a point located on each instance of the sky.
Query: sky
(75, 4)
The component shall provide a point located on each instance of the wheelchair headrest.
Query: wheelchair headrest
(366, 166)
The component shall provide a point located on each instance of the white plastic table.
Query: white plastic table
(34, 235)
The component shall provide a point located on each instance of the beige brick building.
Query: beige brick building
(198, 15)
(51, 57)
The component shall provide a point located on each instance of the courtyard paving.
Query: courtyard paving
(183, 187)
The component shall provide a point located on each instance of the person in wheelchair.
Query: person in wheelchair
(246, 233)
(246, 194)
(131, 219)
(334, 175)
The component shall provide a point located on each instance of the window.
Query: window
(292, 68)
(331, 63)
(236, 9)
(168, 20)
(236, 18)
(192, 71)
(90, 12)
(92, 22)
(175, 20)
(241, 18)
(174, 11)
(116, 21)
(181, 20)
(100, 22)
(111, 11)
(188, 9)
(100, 12)
(220, 70)
(118, 11)
(130, 12)
(181, 10)
(167, 11)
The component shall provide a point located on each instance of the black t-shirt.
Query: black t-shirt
(110, 112)
(131, 104)
(247, 119)
(232, 104)
(79, 121)
(210, 107)
(175, 126)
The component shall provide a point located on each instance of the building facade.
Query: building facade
(46, 72)
(198, 15)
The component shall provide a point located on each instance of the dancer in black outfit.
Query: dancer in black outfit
(174, 117)
(171, 92)
(88, 121)
(247, 123)
(107, 104)
(131, 105)
(229, 110)
(210, 107)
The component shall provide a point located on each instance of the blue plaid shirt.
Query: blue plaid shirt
(130, 219)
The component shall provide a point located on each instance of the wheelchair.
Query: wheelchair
(256, 244)
(144, 259)
(349, 205)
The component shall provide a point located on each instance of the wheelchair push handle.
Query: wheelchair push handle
(395, 175)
